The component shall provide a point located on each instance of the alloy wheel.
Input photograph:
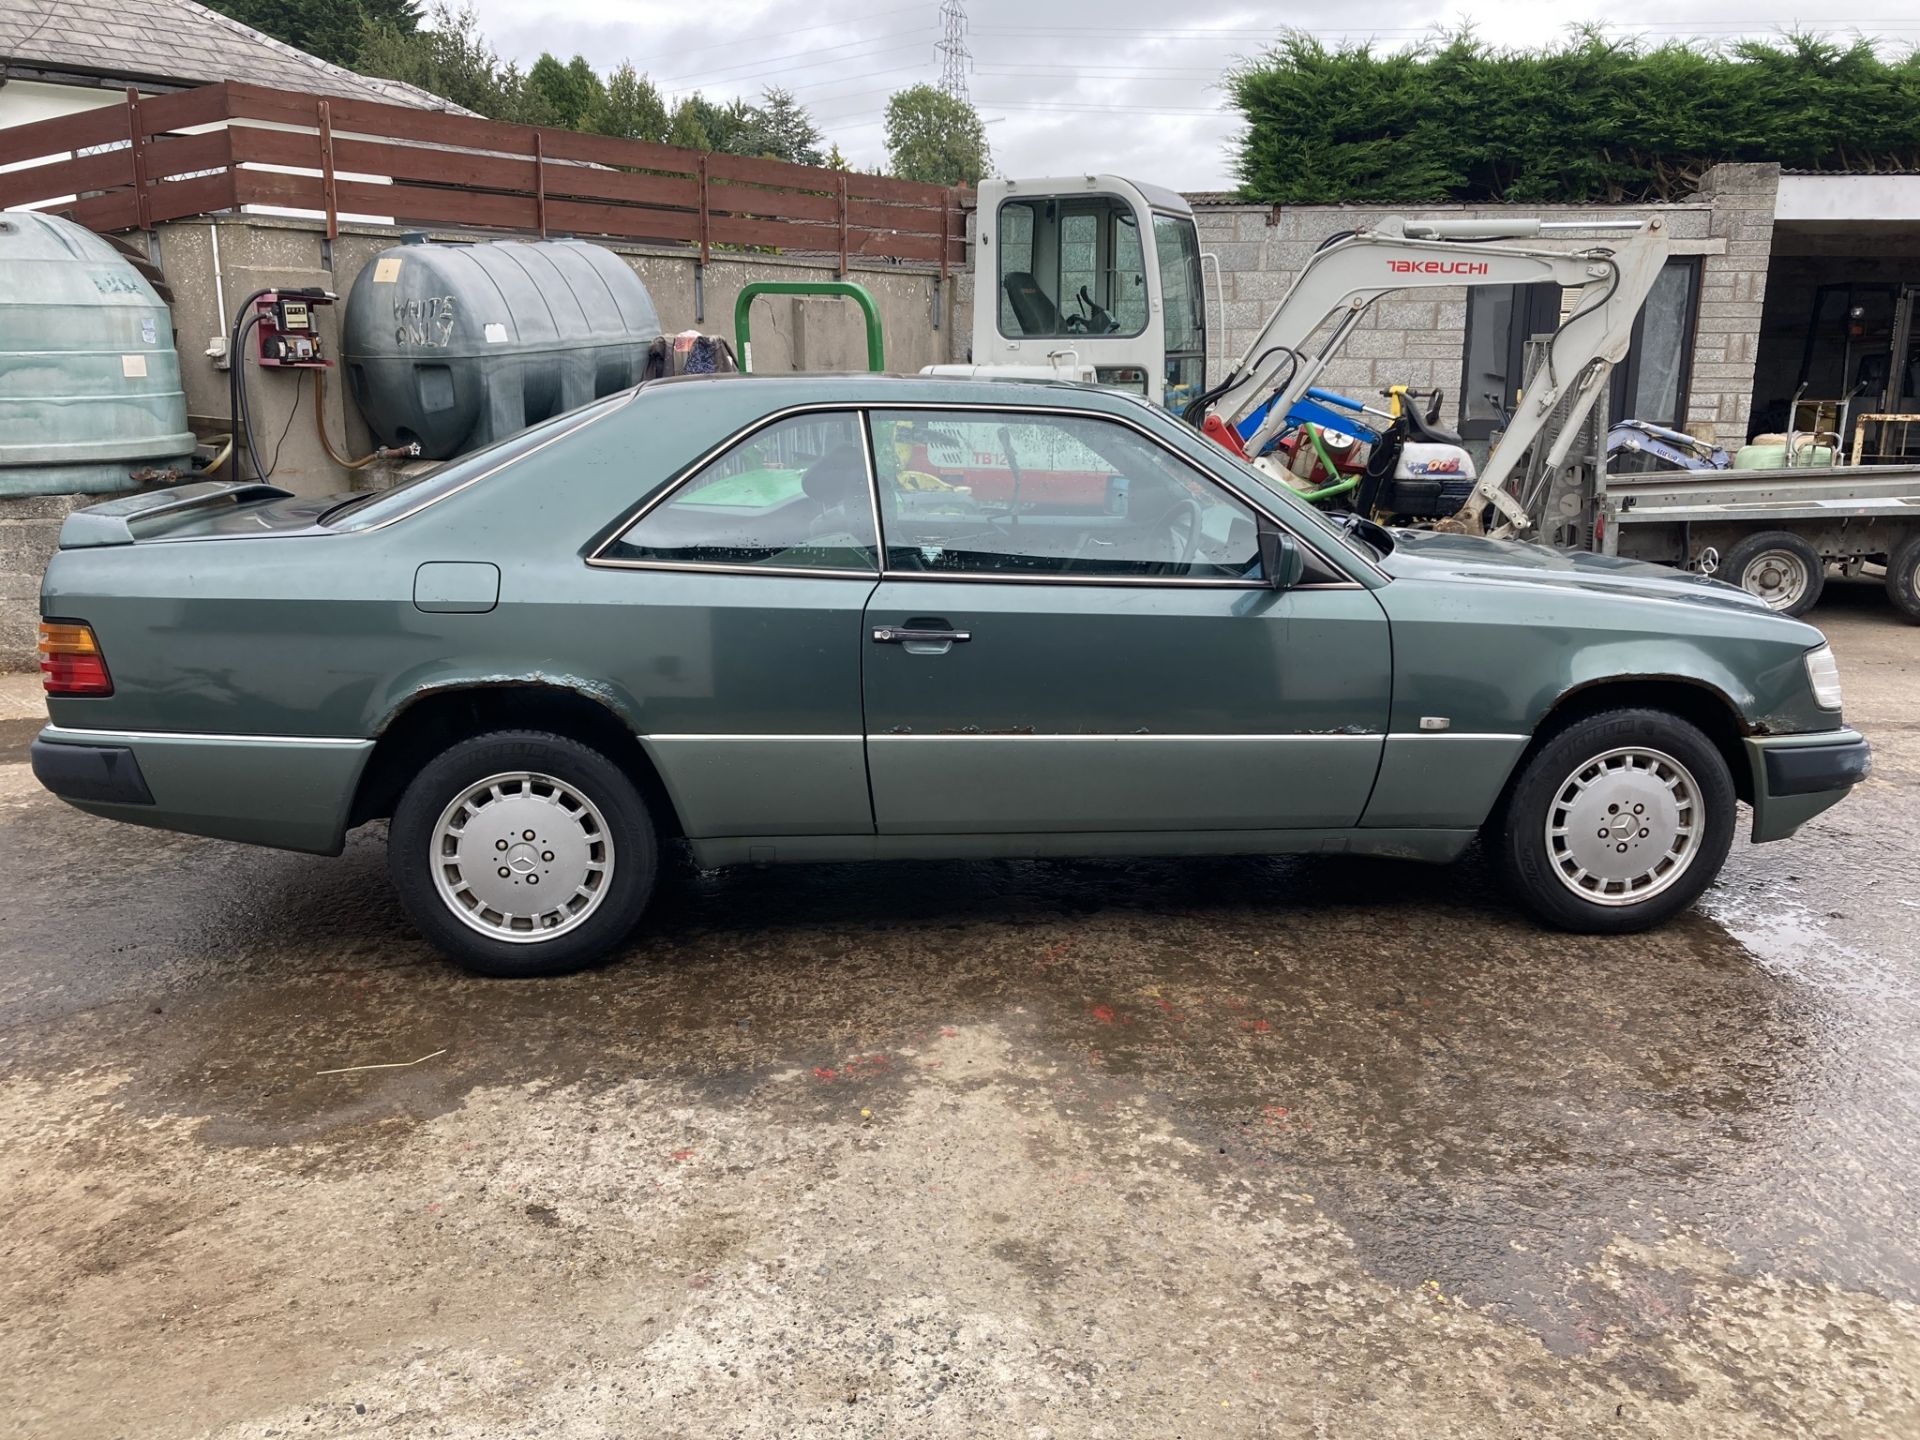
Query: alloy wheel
(522, 857)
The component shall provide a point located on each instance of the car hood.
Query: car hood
(1428, 555)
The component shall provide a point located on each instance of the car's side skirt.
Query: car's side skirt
(1436, 846)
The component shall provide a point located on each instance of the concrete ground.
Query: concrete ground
(1316, 1148)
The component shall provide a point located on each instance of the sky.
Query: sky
(1066, 86)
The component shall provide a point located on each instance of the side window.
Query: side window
(1071, 266)
(791, 496)
(1050, 496)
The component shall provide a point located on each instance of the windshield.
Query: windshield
(1370, 546)
(364, 512)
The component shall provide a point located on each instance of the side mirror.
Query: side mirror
(1281, 563)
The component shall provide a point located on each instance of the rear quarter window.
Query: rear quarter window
(388, 505)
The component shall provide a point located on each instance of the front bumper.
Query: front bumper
(288, 791)
(1795, 777)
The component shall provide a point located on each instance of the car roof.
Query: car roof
(866, 387)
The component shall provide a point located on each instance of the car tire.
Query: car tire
(1903, 578)
(488, 821)
(1617, 822)
(1780, 568)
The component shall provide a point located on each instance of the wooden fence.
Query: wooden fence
(133, 165)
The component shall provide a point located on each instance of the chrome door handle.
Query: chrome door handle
(903, 635)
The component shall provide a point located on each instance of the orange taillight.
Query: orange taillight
(70, 659)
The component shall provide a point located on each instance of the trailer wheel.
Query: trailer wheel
(1903, 578)
(1779, 567)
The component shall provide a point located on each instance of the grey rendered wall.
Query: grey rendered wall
(255, 252)
(1419, 339)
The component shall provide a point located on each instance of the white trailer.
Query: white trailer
(1773, 532)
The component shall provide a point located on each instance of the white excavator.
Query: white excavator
(1100, 279)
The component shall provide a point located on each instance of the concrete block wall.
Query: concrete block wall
(1733, 292)
(1419, 337)
(29, 531)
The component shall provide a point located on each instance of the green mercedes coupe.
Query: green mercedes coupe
(868, 618)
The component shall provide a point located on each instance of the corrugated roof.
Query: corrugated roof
(176, 42)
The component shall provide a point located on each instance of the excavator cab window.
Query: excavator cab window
(1176, 246)
(1071, 266)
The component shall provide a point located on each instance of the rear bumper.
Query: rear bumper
(291, 792)
(102, 774)
(1795, 777)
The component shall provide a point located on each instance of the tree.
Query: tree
(572, 91)
(403, 15)
(630, 107)
(446, 56)
(835, 160)
(783, 130)
(330, 29)
(933, 136)
(1594, 118)
(689, 130)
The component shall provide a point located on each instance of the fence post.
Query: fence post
(843, 227)
(142, 201)
(705, 247)
(540, 183)
(946, 227)
(326, 171)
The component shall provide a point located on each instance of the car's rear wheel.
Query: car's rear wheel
(1618, 822)
(522, 853)
(1779, 567)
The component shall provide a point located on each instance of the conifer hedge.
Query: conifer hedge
(1597, 118)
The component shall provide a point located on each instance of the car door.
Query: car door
(1072, 634)
(735, 598)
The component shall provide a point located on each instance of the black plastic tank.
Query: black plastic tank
(455, 346)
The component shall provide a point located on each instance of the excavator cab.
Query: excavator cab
(1092, 278)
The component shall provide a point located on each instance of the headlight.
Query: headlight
(1823, 673)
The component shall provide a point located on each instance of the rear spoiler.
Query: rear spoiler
(114, 522)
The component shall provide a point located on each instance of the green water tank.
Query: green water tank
(89, 379)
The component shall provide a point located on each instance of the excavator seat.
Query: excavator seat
(1032, 306)
(1422, 429)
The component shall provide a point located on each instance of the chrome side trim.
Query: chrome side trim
(695, 567)
(1163, 582)
(1291, 735)
(1288, 735)
(1454, 735)
(730, 739)
(65, 735)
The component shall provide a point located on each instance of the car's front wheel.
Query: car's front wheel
(1618, 821)
(522, 853)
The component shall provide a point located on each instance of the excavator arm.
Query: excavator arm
(1346, 276)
